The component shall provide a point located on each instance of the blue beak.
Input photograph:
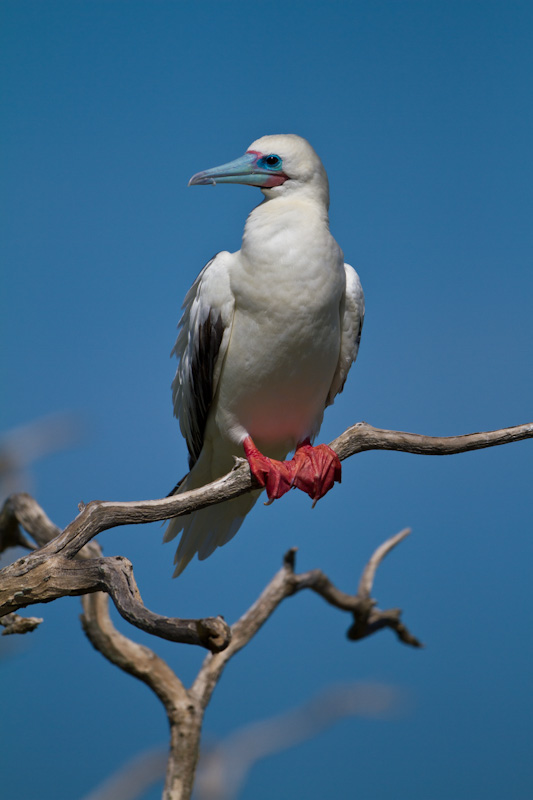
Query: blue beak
(242, 170)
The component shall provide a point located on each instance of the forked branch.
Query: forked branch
(69, 563)
(52, 571)
(367, 618)
(34, 579)
(185, 708)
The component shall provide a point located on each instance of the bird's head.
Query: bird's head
(279, 165)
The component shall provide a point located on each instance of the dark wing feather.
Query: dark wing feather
(201, 373)
(204, 332)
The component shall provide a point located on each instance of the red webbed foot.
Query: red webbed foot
(275, 476)
(315, 469)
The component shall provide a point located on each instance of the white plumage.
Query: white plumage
(267, 336)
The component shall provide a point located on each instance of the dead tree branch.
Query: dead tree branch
(185, 707)
(70, 563)
(53, 571)
(137, 660)
(37, 579)
(224, 766)
(13, 623)
(85, 572)
(362, 436)
(367, 618)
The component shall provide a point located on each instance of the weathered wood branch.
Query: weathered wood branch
(51, 571)
(362, 436)
(185, 708)
(32, 580)
(184, 713)
(136, 659)
(13, 623)
(224, 765)
(98, 516)
(367, 619)
(70, 563)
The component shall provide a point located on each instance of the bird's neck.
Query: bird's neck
(285, 221)
(287, 245)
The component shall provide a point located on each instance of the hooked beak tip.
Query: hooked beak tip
(202, 179)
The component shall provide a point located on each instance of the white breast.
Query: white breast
(288, 281)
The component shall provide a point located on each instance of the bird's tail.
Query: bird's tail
(205, 530)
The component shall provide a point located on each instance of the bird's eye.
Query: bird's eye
(270, 162)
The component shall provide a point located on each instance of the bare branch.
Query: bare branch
(69, 563)
(184, 714)
(185, 708)
(12, 623)
(21, 510)
(367, 618)
(32, 580)
(362, 436)
(50, 571)
(224, 766)
(99, 516)
(133, 658)
(369, 572)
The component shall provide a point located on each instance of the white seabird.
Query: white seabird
(266, 340)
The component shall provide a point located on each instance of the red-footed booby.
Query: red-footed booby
(265, 343)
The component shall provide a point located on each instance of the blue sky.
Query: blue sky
(422, 115)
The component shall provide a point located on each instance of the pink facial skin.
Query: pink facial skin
(274, 179)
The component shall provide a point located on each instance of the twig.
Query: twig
(12, 623)
(369, 572)
(367, 619)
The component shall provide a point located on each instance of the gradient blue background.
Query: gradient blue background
(422, 114)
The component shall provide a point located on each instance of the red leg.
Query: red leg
(275, 476)
(315, 469)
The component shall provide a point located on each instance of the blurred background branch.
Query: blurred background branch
(21, 447)
(224, 766)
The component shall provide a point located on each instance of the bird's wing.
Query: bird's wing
(204, 333)
(352, 313)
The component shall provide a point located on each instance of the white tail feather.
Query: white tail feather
(205, 530)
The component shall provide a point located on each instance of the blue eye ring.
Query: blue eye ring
(270, 162)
